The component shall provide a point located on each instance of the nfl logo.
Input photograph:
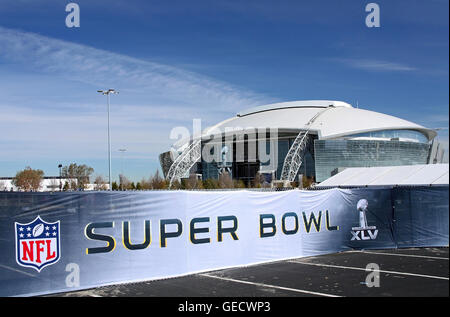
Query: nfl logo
(37, 243)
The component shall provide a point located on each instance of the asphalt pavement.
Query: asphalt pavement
(399, 272)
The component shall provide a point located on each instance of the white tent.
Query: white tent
(406, 175)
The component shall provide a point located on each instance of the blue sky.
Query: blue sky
(173, 61)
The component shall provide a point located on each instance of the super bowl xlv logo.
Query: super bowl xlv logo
(37, 243)
(363, 232)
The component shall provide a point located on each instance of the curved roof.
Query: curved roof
(337, 119)
(295, 104)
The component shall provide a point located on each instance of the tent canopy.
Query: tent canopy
(407, 175)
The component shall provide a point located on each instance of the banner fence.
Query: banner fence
(66, 241)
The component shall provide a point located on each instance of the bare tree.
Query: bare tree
(238, 183)
(145, 184)
(124, 182)
(157, 182)
(193, 182)
(225, 180)
(176, 185)
(100, 183)
(211, 183)
(3, 186)
(258, 180)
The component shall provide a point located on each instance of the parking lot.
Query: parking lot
(402, 272)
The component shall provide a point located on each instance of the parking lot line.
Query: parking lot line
(268, 285)
(363, 269)
(406, 255)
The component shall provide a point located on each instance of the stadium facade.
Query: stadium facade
(314, 138)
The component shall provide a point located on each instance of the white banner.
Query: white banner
(115, 237)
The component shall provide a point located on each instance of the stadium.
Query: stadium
(312, 138)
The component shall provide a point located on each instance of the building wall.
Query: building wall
(324, 156)
(332, 154)
(244, 169)
(47, 184)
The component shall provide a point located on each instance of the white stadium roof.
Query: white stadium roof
(339, 120)
(406, 175)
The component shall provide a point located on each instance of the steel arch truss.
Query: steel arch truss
(294, 157)
(184, 162)
(296, 153)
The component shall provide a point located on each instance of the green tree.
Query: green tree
(66, 186)
(28, 179)
(115, 186)
(77, 175)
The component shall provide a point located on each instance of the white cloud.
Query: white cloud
(375, 65)
(53, 116)
(99, 67)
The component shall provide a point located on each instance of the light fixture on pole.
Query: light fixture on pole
(107, 93)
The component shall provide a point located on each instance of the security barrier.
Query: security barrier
(55, 242)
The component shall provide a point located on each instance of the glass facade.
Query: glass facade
(322, 157)
(410, 135)
(332, 154)
(209, 170)
(244, 165)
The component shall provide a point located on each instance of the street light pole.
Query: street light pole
(122, 151)
(109, 148)
(107, 93)
(60, 184)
